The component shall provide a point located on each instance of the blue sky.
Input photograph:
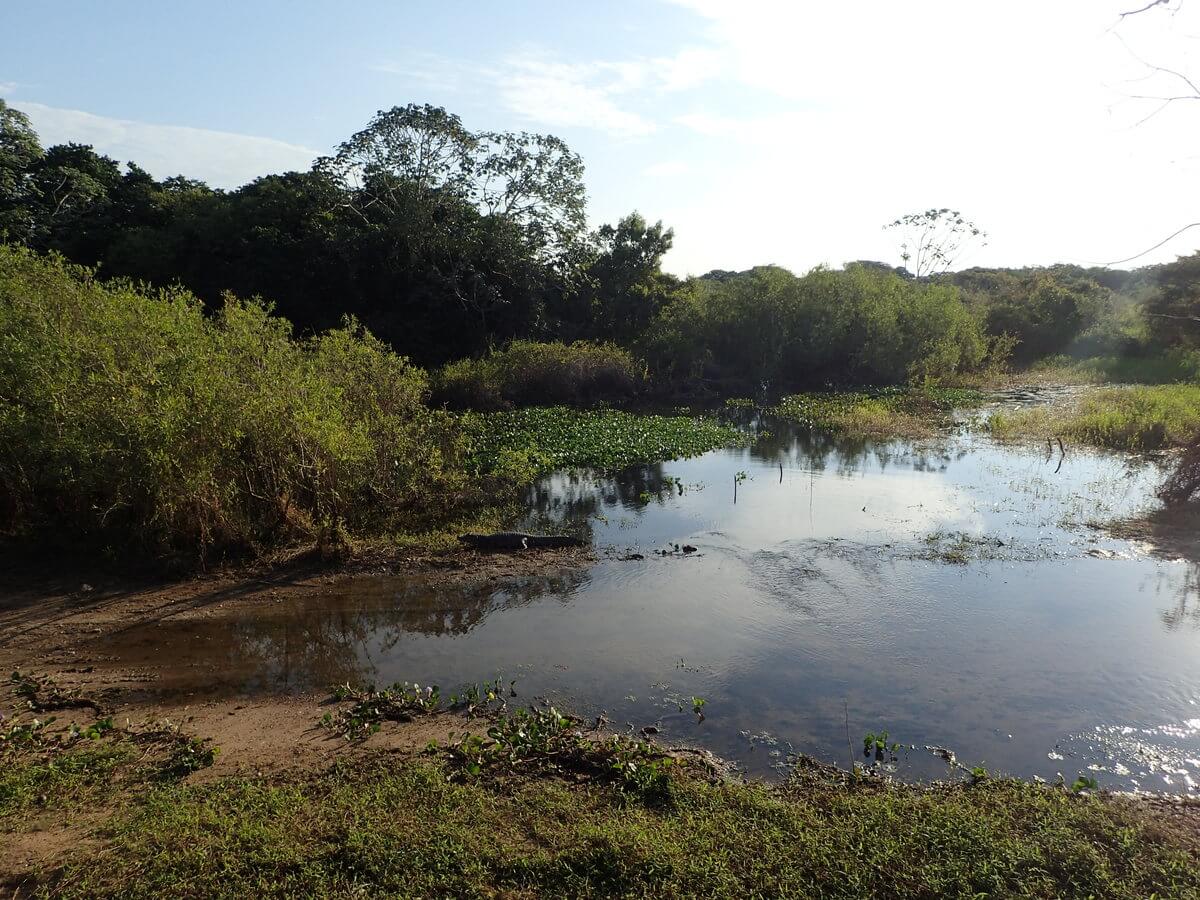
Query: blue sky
(761, 131)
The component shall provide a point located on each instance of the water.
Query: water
(952, 592)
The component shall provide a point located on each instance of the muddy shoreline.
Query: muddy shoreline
(57, 625)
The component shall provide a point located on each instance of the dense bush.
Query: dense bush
(1173, 309)
(773, 328)
(528, 372)
(1046, 310)
(130, 418)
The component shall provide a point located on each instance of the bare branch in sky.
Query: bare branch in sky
(1150, 5)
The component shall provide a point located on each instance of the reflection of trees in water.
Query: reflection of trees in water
(821, 450)
(568, 500)
(1172, 533)
(323, 640)
(1186, 610)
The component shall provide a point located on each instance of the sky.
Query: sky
(761, 131)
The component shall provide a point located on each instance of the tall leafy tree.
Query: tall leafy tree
(20, 150)
(626, 287)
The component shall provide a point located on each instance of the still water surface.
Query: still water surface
(952, 592)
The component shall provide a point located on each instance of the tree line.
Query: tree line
(447, 243)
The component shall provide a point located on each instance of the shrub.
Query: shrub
(131, 419)
(772, 328)
(529, 372)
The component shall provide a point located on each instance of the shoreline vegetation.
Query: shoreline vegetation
(1137, 419)
(536, 804)
(134, 422)
(383, 351)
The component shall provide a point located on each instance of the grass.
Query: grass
(535, 808)
(1136, 419)
(1166, 368)
(543, 439)
(382, 827)
(880, 413)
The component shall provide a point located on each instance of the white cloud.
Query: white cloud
(572, 95)
(7, 88)
(221, 158)
(535, 85)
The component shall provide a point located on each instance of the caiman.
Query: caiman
(516, 540)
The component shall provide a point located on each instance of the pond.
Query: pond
(954, 592)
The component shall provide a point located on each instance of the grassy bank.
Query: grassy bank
(387, 825)
(1136, 419)
(883, 413)
(1170, 367)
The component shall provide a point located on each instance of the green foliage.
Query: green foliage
(545, 741)
(539, 440)
(529, 372)
(43, 767)
(1176, 364)
(1173, 310)
(20, 150)
(878, 746)
(1043, 311)
(622, 287)
(129, 418)
(769, 327)
(401, 702)
(883, 413)
(1137, 419)
(376, 827)
(188, 755)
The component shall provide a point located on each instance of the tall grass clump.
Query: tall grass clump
(531, 372)
(1138, 419)
(132, 421)
(1172, 366)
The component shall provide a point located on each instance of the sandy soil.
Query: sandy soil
(49, 626)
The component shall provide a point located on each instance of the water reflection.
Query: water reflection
(950, 591)
(317, 640)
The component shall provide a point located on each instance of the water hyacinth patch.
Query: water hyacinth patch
(547, 438)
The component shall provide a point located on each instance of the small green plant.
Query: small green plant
(18, 734)
(545, 740)
(1084, 783)
(401, 702)
(191, 754)
(404, 701)
(476, 697)
(97, 729)
(698, 707)
(42, 694)
(878, 746)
